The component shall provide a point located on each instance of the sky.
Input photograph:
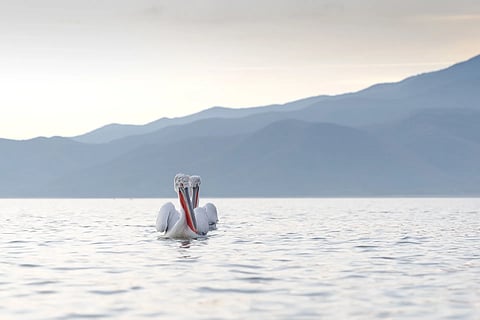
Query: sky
(70, 66)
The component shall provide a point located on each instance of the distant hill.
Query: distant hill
(417, 137)
(116, 131)
(456, 86)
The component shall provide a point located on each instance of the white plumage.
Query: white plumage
(212, 216)
(167, 217)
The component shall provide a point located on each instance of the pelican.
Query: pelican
(191, 221)
(208, 211)
(178, 224)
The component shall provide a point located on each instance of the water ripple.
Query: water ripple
(318, 259)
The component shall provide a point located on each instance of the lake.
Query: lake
(269, 259)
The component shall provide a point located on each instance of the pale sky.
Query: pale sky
(70, 66)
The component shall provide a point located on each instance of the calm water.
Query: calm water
(269, 259)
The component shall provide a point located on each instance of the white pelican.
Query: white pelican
(178, 224)
(208, 211)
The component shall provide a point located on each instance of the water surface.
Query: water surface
(269, 259)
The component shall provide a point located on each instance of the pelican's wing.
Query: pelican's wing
(202, 220)
(173, 217)
(167, 217)
(211, 211)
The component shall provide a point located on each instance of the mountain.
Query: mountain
(286, 158)
(456, 86)
(446, 139)
(26, 166)
(417, 137)
(116, 131)
(459, 77)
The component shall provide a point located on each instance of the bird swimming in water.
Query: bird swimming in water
(191, 221)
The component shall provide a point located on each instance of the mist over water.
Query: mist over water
(269, 259)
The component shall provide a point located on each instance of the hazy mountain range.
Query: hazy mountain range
(416, 137)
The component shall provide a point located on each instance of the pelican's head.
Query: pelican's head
(195, 181)
(181, 181)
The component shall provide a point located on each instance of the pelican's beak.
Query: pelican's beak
(182, 196)
(196, 191)
(190, 207)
